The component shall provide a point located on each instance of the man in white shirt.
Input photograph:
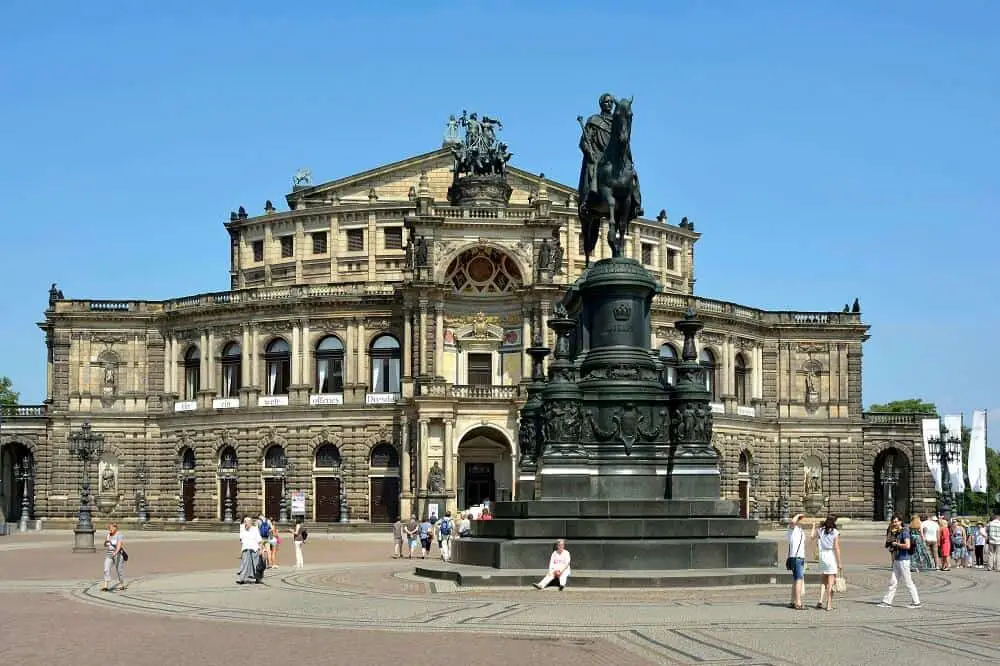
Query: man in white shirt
(250, 563)
(796, 560)
(929, 530)
(558, 567)
(993, 543)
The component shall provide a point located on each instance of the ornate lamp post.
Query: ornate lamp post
(888, 477)
(24, 473)
(784, 488)
(227, 474)
(286, 467)
(181, 514)
(755, 489)
(949, 449)
(142, 480)
(86, 446)
(344, 506)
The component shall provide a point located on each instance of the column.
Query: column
(525, 342)
(439, 340)
(422, 361)
(404, 457)
(371, 246)
(662, 251)
(758, 372)
(449, 456)
(421, 453)
(545, 324)
(296, 360)
(307, 371)
(407, 342)
(252, 355)
(168, 374)
(245, 357)
(176, 377)
(362, 346)
(209, 381)
(84, 351)
(203, 355)
(349, 353)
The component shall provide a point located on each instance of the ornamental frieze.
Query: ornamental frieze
(712, 338)
(811, 347)
(669, 333)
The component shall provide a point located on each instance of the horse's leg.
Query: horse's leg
(609, 200)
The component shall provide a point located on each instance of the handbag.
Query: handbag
(840, 583)
(124, 555)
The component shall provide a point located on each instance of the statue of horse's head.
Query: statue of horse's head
(622, 122)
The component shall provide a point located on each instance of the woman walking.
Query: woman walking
(114, 558)
(944, 544)
(796, 560)
(921, 558)
(829, 557)
(298, 537)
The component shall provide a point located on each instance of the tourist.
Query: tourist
(298, 537)
(993, 542)
(920, 556)
(929, 531)
(397, 538)
(464, 525)
(486, 514)
(114, 558)
(264, 528)
(443, 529)
(958, 550)
(251, 562)
(796, 560)
(275, 543)
(829, 558)
(558, 567)
(425, 530)
(411, 531)
(900, 546)
(980, 544)
(944, 544)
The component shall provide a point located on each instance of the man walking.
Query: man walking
(929, 529)
(993, 539)
(899, 544)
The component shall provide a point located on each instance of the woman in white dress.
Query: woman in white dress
(829, 558)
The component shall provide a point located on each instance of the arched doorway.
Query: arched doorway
(227, 484)
(891, 475)
(383, 482)
(274, 474)
(187, 461)
(17, 482)
(485, 467)
(327, 465)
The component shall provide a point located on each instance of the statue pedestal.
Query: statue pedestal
(83, 541)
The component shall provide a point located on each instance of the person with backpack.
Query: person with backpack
(264, 527)
(900, 544)
(920, 554)
(444, 528)
(299, 536)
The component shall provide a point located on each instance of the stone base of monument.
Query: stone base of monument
(619, 535)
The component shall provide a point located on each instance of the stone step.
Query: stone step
(610, 554)
(598, 508)
(615, 528)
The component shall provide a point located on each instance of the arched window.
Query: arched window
(327, 457)
(231, 372)
(277, 358)
(274, 457)
(385, 358)
(187, 460)
(330, 365)
(227, 458)
(744, 467)
(707, 360)
(740, 371)
(192, 374)
(384, 455)
(668, 356)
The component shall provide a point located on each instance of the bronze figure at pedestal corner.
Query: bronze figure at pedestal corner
(609, 183)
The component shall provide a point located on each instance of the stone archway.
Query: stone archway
(891, 476)
(485, 467)
(17, 467)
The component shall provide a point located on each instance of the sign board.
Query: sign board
(225, 403)
(298, 503)
(381, 398)
(185, 406)
(326, 399)
(272, 401)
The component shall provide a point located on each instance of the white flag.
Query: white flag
(953, 422)
(931, 429)
(977, 452)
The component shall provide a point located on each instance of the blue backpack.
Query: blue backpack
(265, 529)
(444, 529)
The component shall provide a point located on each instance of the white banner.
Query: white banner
(931, 429)
(977, 452)
(953, 422)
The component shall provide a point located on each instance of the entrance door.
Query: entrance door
(328, 499)
(384, 499)
(230, 486)
(479, 483)
(272, 498)
(188, 495)
(744, 499)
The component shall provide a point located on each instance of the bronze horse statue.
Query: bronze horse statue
(617, 198)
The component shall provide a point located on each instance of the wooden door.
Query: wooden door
(272, 498)
(230, 486)
(479, 483)
(327, 499)
(188, 495)
(744, 499)
(384, 499)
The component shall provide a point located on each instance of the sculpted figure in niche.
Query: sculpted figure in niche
(812, 476)
(109, 478)
(435, 479)
(109, 374)
(557, 254)
(544, 255)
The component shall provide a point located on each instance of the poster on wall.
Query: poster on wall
(432, 510)
(298, 503)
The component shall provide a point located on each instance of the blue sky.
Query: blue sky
(825, 150)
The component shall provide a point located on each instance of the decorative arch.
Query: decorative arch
(267, 439)
(325, 437)
(384, 451)
(226, 438)
(483, 268)
(511, 442)
(327, 456)
(892, 493)
(188, 459)
(27, 441)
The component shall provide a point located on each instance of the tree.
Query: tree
(8, 396)
(908, 406)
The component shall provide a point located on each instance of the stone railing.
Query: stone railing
(23, 411)
(895, 418)
(766, 317)
(470, 391)
(466, 213)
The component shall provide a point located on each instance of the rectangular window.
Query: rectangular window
(481, 369)
(579, 244)
(258, 250)
(647, 254)
(355, 240)
(231, 377)
(671, 260)
(287, 245)
(394, 238)
(192, 381)
(319, 242)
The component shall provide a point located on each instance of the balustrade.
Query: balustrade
(23, 411)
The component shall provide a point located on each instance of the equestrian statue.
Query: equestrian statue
(609, 184)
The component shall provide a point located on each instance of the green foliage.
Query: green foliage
(8, 396)
(908, 406)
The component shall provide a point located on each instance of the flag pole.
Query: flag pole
(986, 436)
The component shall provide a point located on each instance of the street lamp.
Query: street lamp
(949, 449)
(142, 479)
(86, 446)
(24, 473)
(784, 488)
(227, 474)
(889, 477)
(755, 486)
(286, 467)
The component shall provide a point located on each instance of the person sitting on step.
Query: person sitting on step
(558, 567)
